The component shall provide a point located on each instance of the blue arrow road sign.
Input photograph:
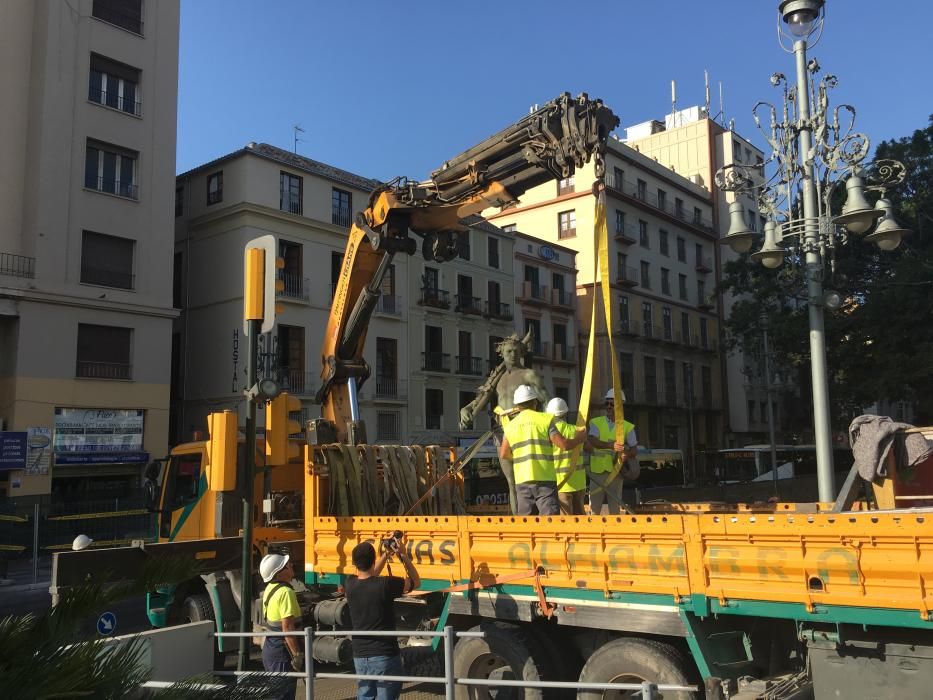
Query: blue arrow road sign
(106, 623)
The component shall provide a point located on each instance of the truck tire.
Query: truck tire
(423, 662)
(563, 659)
(197, 608)
(507, 652)
(635, 660)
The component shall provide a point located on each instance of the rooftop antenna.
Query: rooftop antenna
(673, 97)
(296, 129)
(722, 109)
(706, 84)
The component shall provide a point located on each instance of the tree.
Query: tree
(880, 343)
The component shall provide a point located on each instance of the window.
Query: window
(736, 151)
(643, 234)
(699, 254)
(627, 372)
(534, 325)
(110, 169)
(178, 277)
(668, 321)
(662, 200)
(179, 200)
(621, 266)
(670, 383)
(463, 245)
(645, 275)
(623, 313)
(492, 252)
(508, 228)
(704, 333)
(752, 220)
(706, 384)
(387, 426)
(681, 249)
(697, 216)
(688, 381)
(104, 352)
(567, 221)
(679, 207)
(183, 485)
(127, 14)
(107, 260)
(341, 207)
(763, 405)
(701, 292)
(113, 85)
(618, 176)
(642, 190)
(565, 185)
(685, 326)
(620, 221)
(434, 408)
(646, 319)
(751, 411)
(663, 242)
(665, 281)
(386, 366)
(290, 193)
(651, 380)
(215, 188)
(682, 284)
(560, 340)
(336, 262)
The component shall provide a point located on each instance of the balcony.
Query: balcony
(388, 389)
(498, 310)
(540, 350)
(651, 393)
(435, 298)
(390, 305)
(103, 370)
(470, 365)
(641, 194)
(626, 235)
(560, 297)
(627, 327)
(297, 381)
(627, 276)
(564, 354)
(704, 265)
(707, 304)
(17, 265)
(435, 362)
(534, 293)
(670, 397)
(116, 187)
(341, 216)
(668, 334)
(467, 304)
(290, 204)
(708, 344)
(295, 287)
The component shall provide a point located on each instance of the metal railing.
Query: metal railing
(626, 275)
(435, 361)
(389, 304)
(432, 296)
(499, 310)
(389, 388)
(289, 204)
(17, 265)
(641, 193)
(341, 216)
(298, 381)
(294, 286)
(563, 353)
(648, 690)
(469, 365)
(704, 265)
(561, 297)
(535, 292)
(110, 186)
(103, 370)
(114, 100)
(468, 304)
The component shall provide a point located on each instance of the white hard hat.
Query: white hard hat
(272, 564)
(611, 395)
(81, 542)
(523, 393)
(557, 407)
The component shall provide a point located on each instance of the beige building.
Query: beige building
(428, 344)
(695, 146)
(88, 119)
(664, 314)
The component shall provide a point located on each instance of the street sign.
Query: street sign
(106, 624)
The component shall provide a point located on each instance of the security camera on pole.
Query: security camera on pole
(814, 149)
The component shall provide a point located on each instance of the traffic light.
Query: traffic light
(261, 283)
(280, 449)
(221, 450)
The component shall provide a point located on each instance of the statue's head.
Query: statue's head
(511, 350)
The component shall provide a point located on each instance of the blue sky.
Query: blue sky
(395, 88)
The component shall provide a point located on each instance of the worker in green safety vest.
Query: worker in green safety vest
(571, 483)
(528, 441)
(602, 458)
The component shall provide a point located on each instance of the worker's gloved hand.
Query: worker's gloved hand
(298, 662)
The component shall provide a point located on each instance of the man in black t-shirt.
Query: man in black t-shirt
(371, 598)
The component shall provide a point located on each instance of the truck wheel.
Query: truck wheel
(563, 660)
(505, 653)
(635, 660)
(197, 608)
(423, 662)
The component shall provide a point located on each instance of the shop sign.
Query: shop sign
(546, 252)
(12, 450)
(487, 451)
(98, 436)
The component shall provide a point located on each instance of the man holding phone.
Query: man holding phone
(372, 607)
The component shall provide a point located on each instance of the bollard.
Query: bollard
(35, 543)
(648, 691)
(309, 663)
(449, 662)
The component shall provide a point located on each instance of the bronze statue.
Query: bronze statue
(502, 382)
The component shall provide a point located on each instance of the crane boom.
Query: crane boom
(549, 143)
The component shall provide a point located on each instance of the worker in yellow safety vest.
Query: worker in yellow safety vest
(528, 441)
(571, 483)
(602, 458)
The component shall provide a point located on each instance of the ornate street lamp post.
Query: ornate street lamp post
(814, 150)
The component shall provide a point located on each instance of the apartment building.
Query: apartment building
(664, 312)
(693, 145)
(462, 309)
(545, 303)
(88, 119)
(428, 343)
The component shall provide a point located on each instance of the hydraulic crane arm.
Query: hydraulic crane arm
(550, 143)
